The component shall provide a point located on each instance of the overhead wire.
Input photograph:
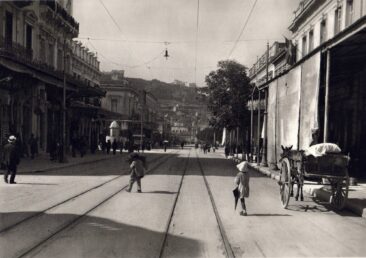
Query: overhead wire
(176, 42)
(243, 28)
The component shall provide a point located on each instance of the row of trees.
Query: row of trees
(228, 91)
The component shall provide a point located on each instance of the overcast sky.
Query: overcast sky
(132, 37)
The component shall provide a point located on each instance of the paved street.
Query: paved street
(83, 211)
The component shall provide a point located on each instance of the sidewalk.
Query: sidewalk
(356, 202)
(42, 162)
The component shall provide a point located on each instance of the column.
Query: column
(259, 127)
(264, 153)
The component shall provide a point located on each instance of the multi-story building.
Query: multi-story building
(128, 104)
(258, 72)
(36, 53)
(323, 89)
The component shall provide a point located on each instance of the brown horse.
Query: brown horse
(295, 159)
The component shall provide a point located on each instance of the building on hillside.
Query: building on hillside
(323, 89)
(36, 54)
(128, 103)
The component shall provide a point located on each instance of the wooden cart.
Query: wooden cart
(333, 167)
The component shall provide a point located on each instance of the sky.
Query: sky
(132, 35)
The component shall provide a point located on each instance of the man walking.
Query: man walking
(11, 160)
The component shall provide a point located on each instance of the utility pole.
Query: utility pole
(142, 120)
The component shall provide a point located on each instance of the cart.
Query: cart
(331, 168)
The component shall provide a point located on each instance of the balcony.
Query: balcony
(23, 3)
(15, 51)
(61, 12)
(306, 8)
(19, 54)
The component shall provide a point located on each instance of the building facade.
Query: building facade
(324, 89)
(36, 53)
(129, 104)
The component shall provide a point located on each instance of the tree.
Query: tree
(228, 93)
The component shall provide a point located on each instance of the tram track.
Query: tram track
(228, 250)
(124, 173)
(30, 219)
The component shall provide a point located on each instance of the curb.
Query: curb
(317, 193)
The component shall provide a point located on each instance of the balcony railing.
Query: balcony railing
(57, 8)
(21, 54)
(15, 50)
(302, 6)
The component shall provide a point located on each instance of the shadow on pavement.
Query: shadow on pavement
(268, 215)
(116, 166)
(159, 192)
(35, 184)
(97, 237)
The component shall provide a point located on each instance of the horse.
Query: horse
(296, 170)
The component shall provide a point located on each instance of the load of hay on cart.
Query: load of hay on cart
(323, 162)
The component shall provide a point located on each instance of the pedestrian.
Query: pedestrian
(227, 151)
(11, 159)
(314, 136)
(242, 182)
(108, 146)
(137, 166)
(121, 147)
(33, 146)
(114, 146)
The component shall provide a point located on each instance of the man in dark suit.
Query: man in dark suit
(11, 159)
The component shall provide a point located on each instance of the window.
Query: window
(8, 29)
(338, 20)
(304, 42)
(42, 48)
(349, 12)
(59, 59)
(114, 105)
(323, 31)
(28, 36)
(311, 40)
(51, 54)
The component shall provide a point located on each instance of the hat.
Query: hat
(243, 166)
(12, 138)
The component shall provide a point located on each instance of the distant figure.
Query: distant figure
(227, 151)
(314, 136)
(121, 147)
(182, 145)
(11, 158)
(242, 182)
(165, 145)
(33, 146)
(108, 146)
(137, 171)
(114, 146)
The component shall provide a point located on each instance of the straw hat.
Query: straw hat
(243, 166)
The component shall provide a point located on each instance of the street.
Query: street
(84, 211)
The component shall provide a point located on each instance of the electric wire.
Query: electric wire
(175, 42)
(243, 28)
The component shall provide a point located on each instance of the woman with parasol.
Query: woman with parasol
(242, 183)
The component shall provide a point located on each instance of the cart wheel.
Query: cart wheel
(285, 182)
(339, 193)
